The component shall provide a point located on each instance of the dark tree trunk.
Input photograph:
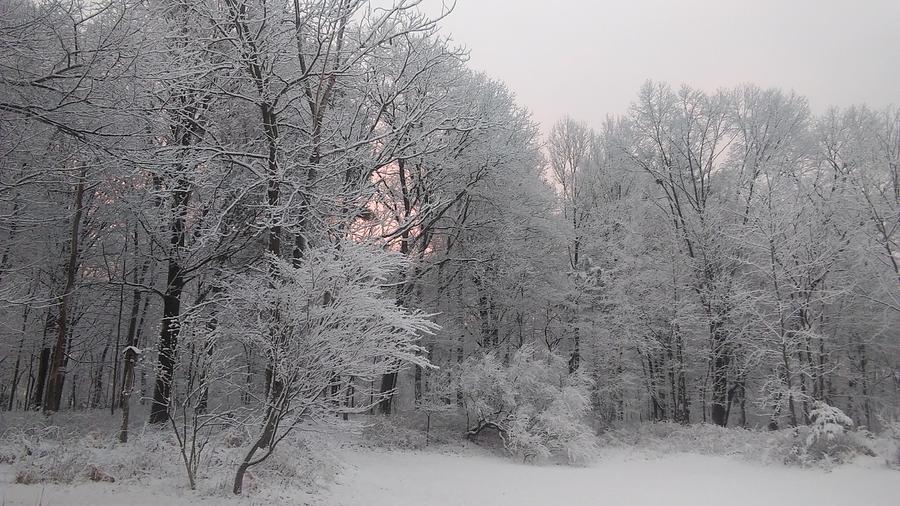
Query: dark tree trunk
(168, 343)
(58, 359)
(114, 381)
(127, 387)
(139, 332)
(864, 383)
(684, 413)
(170, 326)
(720, 364)
(389, 380)
(41, 382)
(29, 387)
(575, 359)
(97, 393)
(15, 377)
(388, 384)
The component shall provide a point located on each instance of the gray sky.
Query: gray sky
(588, 58)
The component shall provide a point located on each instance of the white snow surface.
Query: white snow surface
(618, 477)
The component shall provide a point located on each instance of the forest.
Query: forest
(227, 224)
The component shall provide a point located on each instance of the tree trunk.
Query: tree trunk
(57, 361)
(97, 393)
(127, 387)
(131, 341)
(388, 384)
(131, 354)
(684, 413)
(864, 383)
(114, 381)
(389, 380)
(15, 377)
(41, 382)
(170, 326)
(168, 343)
(721, 361)
(575, 359)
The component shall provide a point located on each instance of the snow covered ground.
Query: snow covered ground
(398, 478)
(618, 478)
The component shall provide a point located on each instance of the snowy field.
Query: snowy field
(401, 478)
(617, 478)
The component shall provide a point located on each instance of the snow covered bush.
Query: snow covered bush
(666, 438)
(327, 328)
(892, 435)
(828, 439)
(536, 406)
(196, 418)
(65, 454)
(828, 422)
(391, 432)
(45, 454)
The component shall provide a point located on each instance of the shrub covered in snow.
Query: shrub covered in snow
(68, 454)
(391, 433)
(326, 328)
(667, 438)
(537, 407)
(828, 422)
(808, 446)
(828, 439)
(50, 454)
(411, 430)
(892, 450)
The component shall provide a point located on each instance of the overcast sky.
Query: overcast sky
(588, 58)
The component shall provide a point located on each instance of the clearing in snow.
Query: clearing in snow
(619, 477)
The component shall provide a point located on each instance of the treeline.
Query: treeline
(741, 256)
(249, 207)
(159, 155)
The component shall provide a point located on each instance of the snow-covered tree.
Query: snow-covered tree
(327, 327)
(534, 403)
